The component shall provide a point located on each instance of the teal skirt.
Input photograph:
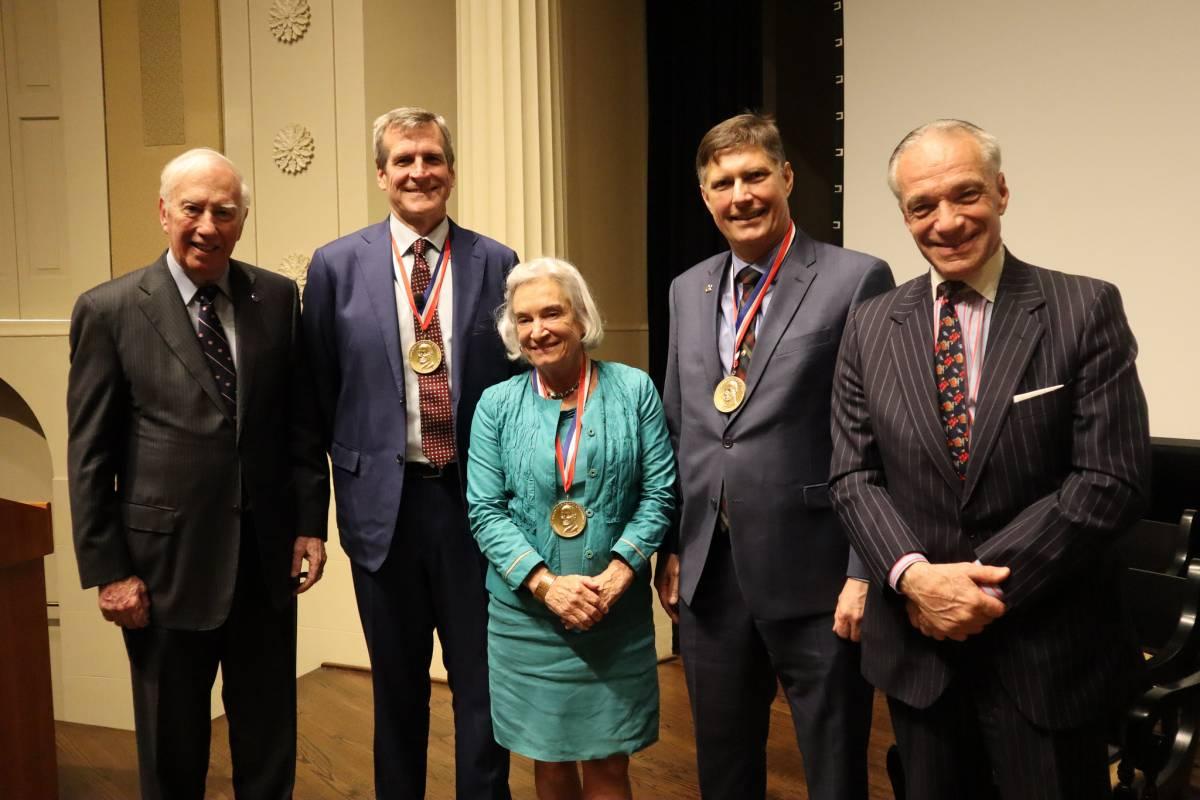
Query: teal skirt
(558, 695)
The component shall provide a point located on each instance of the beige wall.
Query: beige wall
(399, 73)
(1095, 105)
(162, 96)
(604, 99)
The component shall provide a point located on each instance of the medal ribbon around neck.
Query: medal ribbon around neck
(566, 465)
(433, 292)
(749, 310)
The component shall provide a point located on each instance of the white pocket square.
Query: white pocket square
(1023, 396)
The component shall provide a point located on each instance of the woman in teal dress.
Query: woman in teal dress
(570, 491)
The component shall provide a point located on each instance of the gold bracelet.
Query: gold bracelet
(543, 585)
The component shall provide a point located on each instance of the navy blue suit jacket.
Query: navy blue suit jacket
(351, 328)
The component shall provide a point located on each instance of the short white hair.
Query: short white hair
(573, 286)
(989, 146)
(184, 163)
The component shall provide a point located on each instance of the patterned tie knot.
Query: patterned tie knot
(207, 293)
(953, 291)
(418, 248)
(748, 277)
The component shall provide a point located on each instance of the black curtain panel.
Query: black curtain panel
(706, 61)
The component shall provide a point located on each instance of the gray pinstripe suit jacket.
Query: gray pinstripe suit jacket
(158, 471)
(1051, 482)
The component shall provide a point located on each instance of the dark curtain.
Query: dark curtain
(704, 60)
(708, 61)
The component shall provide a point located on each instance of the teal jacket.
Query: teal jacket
(513, 480)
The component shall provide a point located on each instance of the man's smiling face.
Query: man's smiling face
(203, 220)
(747, 194)
(951, 201)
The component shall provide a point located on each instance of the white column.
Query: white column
(510, 135)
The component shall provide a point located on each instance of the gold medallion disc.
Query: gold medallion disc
(568, 519)
(729, 394)
(424, 356)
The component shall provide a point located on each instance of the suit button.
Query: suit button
(587, 553)
(592, 472)
(591, 432)
(237, 506)
(399, 458)
(589, 512)
(727, 443)
(714, 502)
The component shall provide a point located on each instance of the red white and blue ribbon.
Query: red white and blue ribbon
(566, 452)
(433, 292)
(749, 309)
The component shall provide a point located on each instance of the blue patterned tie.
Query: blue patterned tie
(950, 373)
(216, 348)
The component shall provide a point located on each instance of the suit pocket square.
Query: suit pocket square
(1023, 396)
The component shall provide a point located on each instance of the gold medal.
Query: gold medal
(729, 394)
(568, 519)
(424, 356)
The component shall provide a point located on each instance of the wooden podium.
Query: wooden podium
(26, 705)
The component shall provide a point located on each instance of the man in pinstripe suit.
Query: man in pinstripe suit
(993, 622)
(198, 486)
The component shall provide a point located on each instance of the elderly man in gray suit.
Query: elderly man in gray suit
(199, 486)
(990, 442)
(761, 578)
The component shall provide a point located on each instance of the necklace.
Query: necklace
(553, 395)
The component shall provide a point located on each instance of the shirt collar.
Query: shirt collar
(405, 236)
(985, 282)
(187, 289)
(763, 264)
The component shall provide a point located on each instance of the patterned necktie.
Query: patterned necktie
(437, 416)
(216, 348)
(950, 373)
(746, 280)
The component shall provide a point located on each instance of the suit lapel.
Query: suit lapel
(710, 309)
(912, 350)
(791, 285)
(250, 333)
(376, 263)
(468, 264)
(164, 308)
(1013, 335)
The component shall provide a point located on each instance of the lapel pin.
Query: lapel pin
(253, 297)
(708, 288)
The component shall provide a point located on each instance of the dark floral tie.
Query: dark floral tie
(950, 373)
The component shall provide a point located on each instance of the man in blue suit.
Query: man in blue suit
(398, 318)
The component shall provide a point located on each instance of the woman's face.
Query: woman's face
(548, 329)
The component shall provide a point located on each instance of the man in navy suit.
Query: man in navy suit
(398, 317)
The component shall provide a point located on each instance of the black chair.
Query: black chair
(1158, 733)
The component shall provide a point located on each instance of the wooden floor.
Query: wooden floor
(335, 726)
(335, 749)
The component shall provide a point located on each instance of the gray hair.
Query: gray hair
(184, 163)
(989, 146)
(572, 285)
(406, 118)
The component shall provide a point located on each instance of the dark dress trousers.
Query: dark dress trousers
(757, 602)
(1051, 482)
(415, 566)
(165, 485)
